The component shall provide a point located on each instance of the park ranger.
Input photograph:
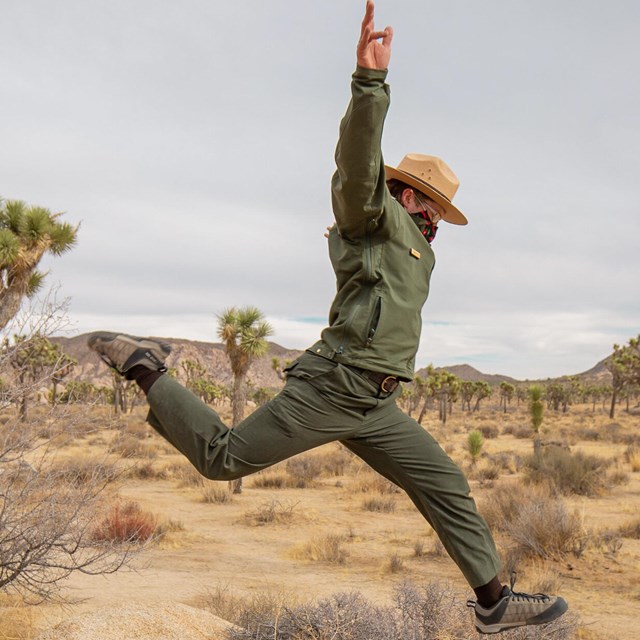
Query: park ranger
(345, 386)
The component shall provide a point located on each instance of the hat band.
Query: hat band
(426, 184)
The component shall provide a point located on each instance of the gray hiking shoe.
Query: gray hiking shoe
(517, 610)
(122, 352)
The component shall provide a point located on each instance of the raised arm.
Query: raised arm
(358, 185)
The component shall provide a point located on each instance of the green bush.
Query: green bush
(569, 473)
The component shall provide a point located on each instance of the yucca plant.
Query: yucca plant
(243, 332)
(536, 411)
(27, 233)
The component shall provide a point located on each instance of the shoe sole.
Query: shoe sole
(148, 344)
(545, 617)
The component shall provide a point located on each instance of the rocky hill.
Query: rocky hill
(213, 358)
(210, 355)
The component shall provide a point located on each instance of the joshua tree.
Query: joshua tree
(243, 332)
(624, 365)
(536, 410)
(482, 391)
(506, 394)
(26, 234)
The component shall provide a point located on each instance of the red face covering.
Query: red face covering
(427, 228)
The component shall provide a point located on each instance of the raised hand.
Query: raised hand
(371, 53)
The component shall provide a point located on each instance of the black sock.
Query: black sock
(143, 377)
(488, 594)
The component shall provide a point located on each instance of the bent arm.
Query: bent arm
(358, 186)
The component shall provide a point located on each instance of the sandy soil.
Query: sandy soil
(217, 548)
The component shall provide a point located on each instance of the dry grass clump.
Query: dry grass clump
(304, 470)
(17, 620)
(380, 504)
(369, 481)
(534, 520)
(489, 431)
(129, 446)
(417, 613)
(270, 479)
(126, 522)
(148, 471)
(187, 476)
(329, 548)
(485, 471)
(271, 512)
(245, 611)
(632, 456)
(570, 472)
(631, 529)
(81, 471)
(213, 493)
(336, 461)
(395, 564)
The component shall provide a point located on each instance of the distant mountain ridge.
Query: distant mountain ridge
(261, 374)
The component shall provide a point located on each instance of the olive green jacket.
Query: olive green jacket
(381, 260)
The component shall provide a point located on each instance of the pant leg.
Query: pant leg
(400, 449)
(322, 401)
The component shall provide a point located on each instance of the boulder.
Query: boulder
(141, 622)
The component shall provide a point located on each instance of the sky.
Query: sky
(194, 143)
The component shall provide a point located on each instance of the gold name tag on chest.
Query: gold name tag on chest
(414, 253)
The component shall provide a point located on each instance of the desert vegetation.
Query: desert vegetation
(86, 487)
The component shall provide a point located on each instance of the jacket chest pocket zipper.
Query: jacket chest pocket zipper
(374, 320)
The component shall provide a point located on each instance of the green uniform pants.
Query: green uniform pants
(324, 401)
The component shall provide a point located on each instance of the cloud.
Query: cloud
(195, 142)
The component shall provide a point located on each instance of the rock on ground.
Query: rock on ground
(141, 622)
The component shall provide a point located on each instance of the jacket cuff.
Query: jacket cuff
(363, 73)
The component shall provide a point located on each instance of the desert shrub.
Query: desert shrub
(271, 512)
(395, 564)
(129, 446)
(246, 611)
(188, 476)
(380, 504)
(369, 481)
(430, 612)
(632, 456)
(484, 472)
(126, 522)
(538, 523)
(148, 471)
(506, 461)
(304, 470)
(489, 431)
(216, 494)
(418, 549)
(329, 548)
(269, 480)
(336, 462)
(631, 529)
(522, 433)
(608, 541)
(588, 434)
(569, 472)
(84, 470)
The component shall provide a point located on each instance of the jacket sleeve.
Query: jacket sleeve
(358, 186)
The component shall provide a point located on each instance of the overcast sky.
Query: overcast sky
(194, 142)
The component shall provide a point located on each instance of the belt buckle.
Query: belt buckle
(390, 379)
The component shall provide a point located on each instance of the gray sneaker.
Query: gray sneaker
(517, 610)
(122, 352)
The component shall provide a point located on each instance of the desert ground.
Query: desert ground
(324, 523)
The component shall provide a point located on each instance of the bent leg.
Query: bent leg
(401, 450)
(297, 419)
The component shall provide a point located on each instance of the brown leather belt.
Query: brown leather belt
(386, 382)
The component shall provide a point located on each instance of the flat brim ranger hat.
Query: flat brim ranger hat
(433, 177)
